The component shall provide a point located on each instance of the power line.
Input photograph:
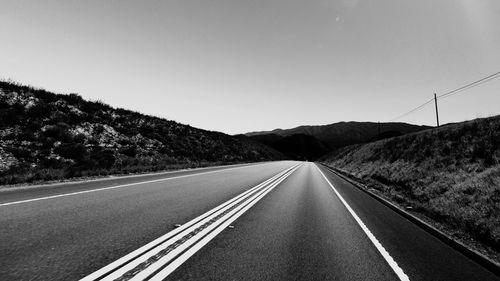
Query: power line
(451, 93)
(413, 110)
(470, 85)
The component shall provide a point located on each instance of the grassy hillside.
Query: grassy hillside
(46, 136)
(450, 174)
(347, 133)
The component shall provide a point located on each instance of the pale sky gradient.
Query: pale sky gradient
(238, 66)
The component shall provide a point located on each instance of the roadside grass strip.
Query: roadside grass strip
(157, 259)
(392, 263)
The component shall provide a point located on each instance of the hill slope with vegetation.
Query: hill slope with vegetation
(450, 174)
(347, 133)
(47, 136)
(312, 142)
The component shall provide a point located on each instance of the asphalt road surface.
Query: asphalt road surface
(271, 221)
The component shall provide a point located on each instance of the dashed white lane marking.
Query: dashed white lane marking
(392, 263)
(117, 186)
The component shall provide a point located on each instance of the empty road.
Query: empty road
(270, 221)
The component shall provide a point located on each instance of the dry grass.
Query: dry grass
(450, 174)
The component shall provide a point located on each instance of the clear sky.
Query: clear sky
(238, 66)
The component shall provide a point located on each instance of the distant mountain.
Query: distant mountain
(46, 136)
(346, 133)
(297, 146)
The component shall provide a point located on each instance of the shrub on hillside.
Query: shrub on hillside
(451, 174)
(75, 151)
(56, 136)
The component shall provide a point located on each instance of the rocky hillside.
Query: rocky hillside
(450, 174)
(45, 136)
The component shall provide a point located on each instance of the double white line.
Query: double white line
(157, 259)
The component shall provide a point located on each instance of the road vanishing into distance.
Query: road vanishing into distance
(268, 221)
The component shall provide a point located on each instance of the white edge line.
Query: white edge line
(392, 263)
(70, 181)
(174, 234)
(197, 245)
(117, 186)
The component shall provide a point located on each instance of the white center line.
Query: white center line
(117, 186)
(392, 263)
(163, 255)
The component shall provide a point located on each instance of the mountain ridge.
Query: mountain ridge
(325, 138)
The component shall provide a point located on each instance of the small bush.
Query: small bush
(75, 151)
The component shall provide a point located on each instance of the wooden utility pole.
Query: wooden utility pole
(437, 114)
